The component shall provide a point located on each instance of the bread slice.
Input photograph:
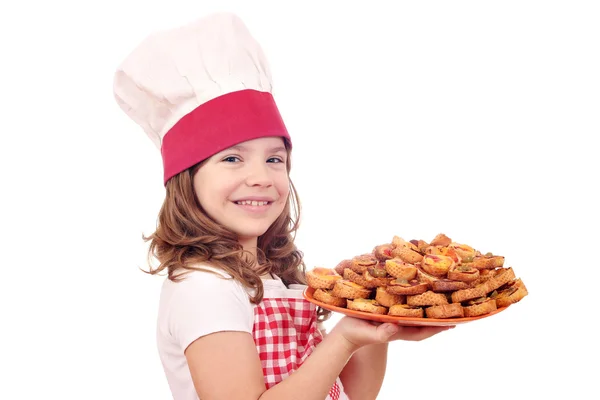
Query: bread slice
(502, 277)
(437, 265)
(383, 252)
(350, 290)
(403, 287)
(407, 254)
(440, 240)
(463, 250)
(424, 277)
(464, 273)
(467, 294)
(487, 262)
(404, 310)
(352, 276)
(386, 299)
(361, 263)
(476, 308)
(342, 266)
(427, 298)
(484, 276)
(420, 244)
(327, 297)
(366, 305)
(454, 310)
(322, 278)
(512, 293)
(448, 285)
(400, 269)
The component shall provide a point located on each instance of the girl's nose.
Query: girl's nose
(258, 175)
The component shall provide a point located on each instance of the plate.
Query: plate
(405, 321)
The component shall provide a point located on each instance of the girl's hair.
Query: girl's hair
(186, 236)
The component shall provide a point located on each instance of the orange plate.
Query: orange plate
(407, 321)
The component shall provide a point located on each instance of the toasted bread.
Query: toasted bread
(437, 265)
(383, 252)
(421, 245)
(342, 266)
(479, 307)
(366, 305)
(404, 310)
(463, 273)
(361, 263)
(400, 269)
(388, 299)
(440, 240)
(407, 254)
(350, 290)
(512, 293)
(454, 310)
(443, 251)
(467, 294)
(326, 296)
(440, 279)
(424, 277)
(448, 285)
(463, 250)
(322, 278)
(502, 277)
(427, 298)
(404, 287)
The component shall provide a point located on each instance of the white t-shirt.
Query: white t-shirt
(200, 304)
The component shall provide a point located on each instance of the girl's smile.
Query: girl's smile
(245, 188)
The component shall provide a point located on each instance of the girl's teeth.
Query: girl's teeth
(252, 203)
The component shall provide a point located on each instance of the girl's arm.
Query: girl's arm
(225, 365)
(363, 376)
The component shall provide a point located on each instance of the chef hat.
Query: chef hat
(199, 89)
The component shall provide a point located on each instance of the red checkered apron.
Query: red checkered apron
(285, 332)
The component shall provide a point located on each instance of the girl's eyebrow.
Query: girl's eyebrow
(242, 148)
(277, 149)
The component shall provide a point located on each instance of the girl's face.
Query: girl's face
(245, 187)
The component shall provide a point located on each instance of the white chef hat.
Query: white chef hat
(199, 89)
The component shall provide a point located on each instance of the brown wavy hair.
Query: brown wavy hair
(186, 236)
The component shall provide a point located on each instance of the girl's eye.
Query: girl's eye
(275, 160)
(231, 159)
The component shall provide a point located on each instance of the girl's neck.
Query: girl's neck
(250, 245)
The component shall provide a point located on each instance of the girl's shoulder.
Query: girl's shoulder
(205, 281)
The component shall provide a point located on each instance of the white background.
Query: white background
(475, 119)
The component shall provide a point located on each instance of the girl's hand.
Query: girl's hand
(358, 333)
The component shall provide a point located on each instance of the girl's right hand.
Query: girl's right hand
(358, 333)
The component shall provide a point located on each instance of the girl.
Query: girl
(232, 322)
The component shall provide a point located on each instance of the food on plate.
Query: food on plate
(388, 299)
(360, 263)
(448, 285)
(327, 297)
(404, 310)
(366, 305)
(407, 288)
(437, 265)
(428, 298)
(453, 310)
(463, 273)
(439, 279)
(514, 291)
(480, 306)
(322, 278)
(350, 290)
(400, 269)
